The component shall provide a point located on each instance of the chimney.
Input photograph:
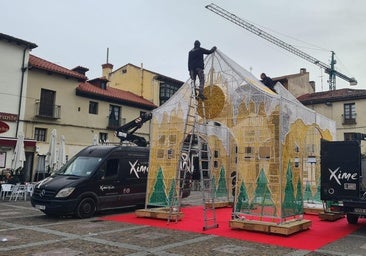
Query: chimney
(312, 84)
(81, 70)
(107, 69)
(302, 71)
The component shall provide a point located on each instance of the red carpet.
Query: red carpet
(319, 234)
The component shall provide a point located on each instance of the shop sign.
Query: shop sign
(8, 117)
(4, 127)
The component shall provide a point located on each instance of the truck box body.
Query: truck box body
(340, 170)
(343, 178)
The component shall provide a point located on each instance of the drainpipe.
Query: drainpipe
(142, 80)
(21, 89)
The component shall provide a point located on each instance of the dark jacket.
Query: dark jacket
(269, 83)
(12, 180)
(195, 57)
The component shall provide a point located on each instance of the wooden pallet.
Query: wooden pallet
(331, 216)
(286, 228)
(313, 211)
(159, 213)
(219, 204)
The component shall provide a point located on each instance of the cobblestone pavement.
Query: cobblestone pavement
(26, 231)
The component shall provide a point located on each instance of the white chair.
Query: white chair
(29, 189)
(19, 190)
(6, 190)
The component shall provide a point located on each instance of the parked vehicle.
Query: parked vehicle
(97, 178)
(343, 178)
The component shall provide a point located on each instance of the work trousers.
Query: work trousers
(201, 76)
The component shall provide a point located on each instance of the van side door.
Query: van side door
(108, 183)
(133, 173)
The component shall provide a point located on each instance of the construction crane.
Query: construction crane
(329, 69)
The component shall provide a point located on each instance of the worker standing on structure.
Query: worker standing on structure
(196, 65)
(267, 81)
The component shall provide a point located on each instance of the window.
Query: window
(354, 136)
(160, 153)
(40, 134)
(161, 139)
(248, 152)
(166, 91)
(216, 153)
(111, 168)
(46, 106)
(170, 153)
(93, 107)
(103, 85)
(172, 139)
(103, 137)
(216, 164)
(349, 115)
(297, 162)
(114, 117)
(264, 152)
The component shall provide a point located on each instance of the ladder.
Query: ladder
(195, 131)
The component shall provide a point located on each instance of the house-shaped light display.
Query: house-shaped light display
(264, 145)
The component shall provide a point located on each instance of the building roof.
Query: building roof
(332, 96)
(161, 77)
(111, 94)
(36, 62)
(18, 41)
(302, 72)
(157, 75)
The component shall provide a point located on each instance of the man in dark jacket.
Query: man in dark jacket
(196, 65)
(10, 179)
(267, 81)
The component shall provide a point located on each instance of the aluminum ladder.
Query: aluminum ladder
(195, 131)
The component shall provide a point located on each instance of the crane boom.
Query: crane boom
(126, 131)
(329, 69)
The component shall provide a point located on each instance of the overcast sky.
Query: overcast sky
(159, 34)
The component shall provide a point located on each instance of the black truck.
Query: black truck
(99, 178)
(343, 178)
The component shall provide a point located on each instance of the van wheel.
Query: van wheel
(86, 208)
(352, 218)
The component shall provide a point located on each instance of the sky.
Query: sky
(159, 34)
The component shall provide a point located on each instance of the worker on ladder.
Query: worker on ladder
(196, 65)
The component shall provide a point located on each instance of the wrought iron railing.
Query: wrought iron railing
(48, 111)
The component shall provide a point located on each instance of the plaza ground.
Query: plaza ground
(27, 231)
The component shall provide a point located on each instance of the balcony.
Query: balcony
(113, 124)
(48, 111)
(347, 121)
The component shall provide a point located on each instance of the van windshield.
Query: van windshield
(81, 166)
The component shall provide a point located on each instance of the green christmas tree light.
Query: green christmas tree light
(308, 195)
(262, 195)
(289, 202)
(158, 196)
(242, 201)
(222, 186)
(299, 198)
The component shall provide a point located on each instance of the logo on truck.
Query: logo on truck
(138, 168)
(339, 176)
